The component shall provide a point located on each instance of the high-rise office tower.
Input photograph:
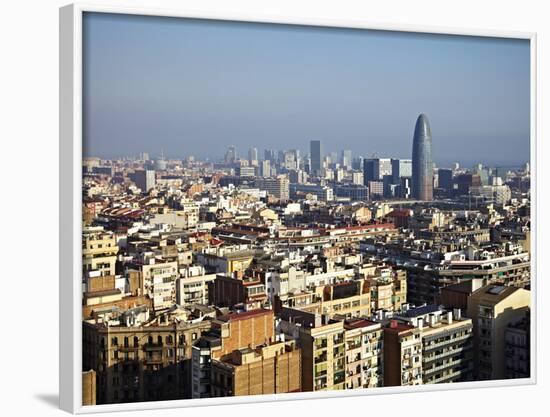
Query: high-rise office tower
(315, 154)
(400, 168)
(231, 154)
(265, 168)
(269, 155)
(445, 179)
(375, 169)
(346, 159)
(422, 166)
(253, 156)
(144, 179)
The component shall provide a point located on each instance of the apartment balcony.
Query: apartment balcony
(338, 341)
(443, 366)
(353, 359)
(128, 348)
(322, 358)
(450, 352)
(451, 375)
(153, 346)
(339, 378)
(352, 346)
(321, 345)
(427, 348)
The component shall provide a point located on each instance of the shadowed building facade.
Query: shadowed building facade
(422, 166)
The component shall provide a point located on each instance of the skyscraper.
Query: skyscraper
(253, 156)
(445, 179)
(231, 154)
(422, 166)
(315, 155)
(400, 168)
(346, 159)
(376, 168)
(144, 179)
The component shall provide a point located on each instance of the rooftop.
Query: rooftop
(358, 323)
(244, 315)
(422, 310)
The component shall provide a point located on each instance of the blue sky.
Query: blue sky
(193, 87)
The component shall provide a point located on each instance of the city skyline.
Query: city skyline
(475, 90)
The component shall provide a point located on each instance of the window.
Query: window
(159, 340)
(136, 341)
(126, 342)
(114, 341)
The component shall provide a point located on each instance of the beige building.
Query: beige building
(447, 354)
(347, 299)
(389, 290)
(323, 346)
(192, 285)
(160, 283)
(89, 387)
(99, 250)
(231, 332)
(277, 187)
(364, 354)
(446, 342)
(492, 308)
(265, 215)
(142, 363)
(269, 369)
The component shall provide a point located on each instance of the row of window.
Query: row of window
(169, 340)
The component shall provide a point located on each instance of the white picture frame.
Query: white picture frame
(70, 153)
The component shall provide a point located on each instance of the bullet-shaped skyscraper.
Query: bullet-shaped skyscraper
(422, 165)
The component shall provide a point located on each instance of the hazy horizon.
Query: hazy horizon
(194, 87)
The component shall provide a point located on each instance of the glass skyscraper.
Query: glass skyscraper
(316, 154)
(422, 165)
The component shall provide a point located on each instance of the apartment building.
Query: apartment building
(402, 354)
(518, 348)
(89, 387)
(347, 299)
(277, 187)
(447, 342)
(201, 365)
(388, 290)
(322, 342)
(227, 291)
(160, 283)
(192, 286)
(492, 309)
(364, 354)
(229, 332)
(141, 363)
(267, 369)
(99, 251)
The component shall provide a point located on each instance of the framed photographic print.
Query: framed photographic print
(259, 209)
